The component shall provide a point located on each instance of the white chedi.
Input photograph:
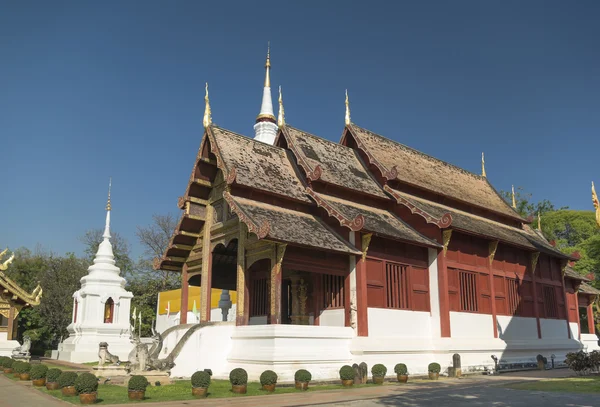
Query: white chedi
(101, 308)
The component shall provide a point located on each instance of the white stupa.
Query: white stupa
(101, 308)
(265, 129)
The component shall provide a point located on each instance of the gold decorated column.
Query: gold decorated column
(241, 311)
(275, 300)
(206, 283)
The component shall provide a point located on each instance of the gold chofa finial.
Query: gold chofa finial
(108, 207)
(596, 204)
(539, 221)
(347, 118)
(268, 66)
(514, 202)
(4, 266)
(281, 115)
(482, 165)
(207, 121)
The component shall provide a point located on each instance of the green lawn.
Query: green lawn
(585, 384)
(182, 390)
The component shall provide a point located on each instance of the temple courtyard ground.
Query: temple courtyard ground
(498, 391)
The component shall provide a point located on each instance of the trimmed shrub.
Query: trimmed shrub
(201, 379)
(53, 375)
(2, 359)
(347, 373)
(303, 376)
(378, 370)
(67, 379)
(86, 383)
(434, 368)
(539, 358)
(268, 377)
(137, 383)
(7, 363)
(401, 369)
(38, 372)
(209, 371)
(238, 377)
(22, 367)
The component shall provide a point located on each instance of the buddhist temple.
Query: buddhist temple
(12, 300)
(362, 250)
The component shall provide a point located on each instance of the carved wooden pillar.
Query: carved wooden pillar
(184, 295)
(275, 300)
(566, 299)
(536, 306)
(11, 324)
(445, 330)
(241, 288)
(493, 246)
(206, 291)
(590, 317)
(362, 316)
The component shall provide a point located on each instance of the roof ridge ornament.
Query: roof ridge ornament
(483, 174)
(4, 266)
(514, 202)
(207, 120)
(347, 117)
(596, 204)
(539, 220)
(281, 114)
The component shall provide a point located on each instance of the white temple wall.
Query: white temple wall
(574, 329)
(164, 321)
(554, 328)
(434, 298)
(513, 328)
(590, 342)
(471, 325)
(332, 317)
(385, 322)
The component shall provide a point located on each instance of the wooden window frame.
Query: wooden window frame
(468, 291)
(332, 292)
(550, 304)
(259, 296)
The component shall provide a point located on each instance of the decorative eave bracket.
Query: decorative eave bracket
(493, 246)
(365, 241)
(534, 260)
(446, 235)
(261, 231)
(355, 224)
(443, 222)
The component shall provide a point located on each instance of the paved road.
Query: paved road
(479, 395)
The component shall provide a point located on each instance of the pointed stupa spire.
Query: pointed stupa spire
(281, 115)
(514, 201)
(207, 121)
(104, 255)
(347, 117)
(483, 165)
(265, 129)
(106, 234)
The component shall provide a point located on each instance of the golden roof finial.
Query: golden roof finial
(483, 165)
(108, 207)
(514, 202)
(281, 115)
(347, 118)
(539, 221)
(268, 66)
(4, 266)
(596, 204)
(207, 121)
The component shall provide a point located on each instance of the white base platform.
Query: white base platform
(85, 349)
(6, 347)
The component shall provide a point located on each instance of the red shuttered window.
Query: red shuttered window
(468, 291)
(332, 291)
(397, 292)
(513, 296)
(550, 304)
(259, 298)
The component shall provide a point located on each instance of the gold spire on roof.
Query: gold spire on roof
(268, 66)
(347, 118)
(596, 204)
(207, 121)
(483, 165)
(539, 221)
(514, 202)
(281, 114)
(4, 266)
(108, 207)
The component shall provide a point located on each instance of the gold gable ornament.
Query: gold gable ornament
(4, 266)
(596, 204)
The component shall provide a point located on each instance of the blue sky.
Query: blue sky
(90, 90)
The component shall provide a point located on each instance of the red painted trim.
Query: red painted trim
(578, 318)
(493, 297)
(207, 289)
(536, 305)
(590, 315)
(184, 295)
(564, 291)
(362, 315)
(444, 295)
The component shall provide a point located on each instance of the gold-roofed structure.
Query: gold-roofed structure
(13, 298)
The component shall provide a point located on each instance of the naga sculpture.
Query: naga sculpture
(22, 351)
(142, 358)
(105, 356)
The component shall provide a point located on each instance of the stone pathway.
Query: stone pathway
(20, 394)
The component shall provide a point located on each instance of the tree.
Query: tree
(92, 239)
(525, 207)
(155, 239)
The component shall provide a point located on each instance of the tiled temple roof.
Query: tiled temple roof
(468, 222)
(331, 162)
(398, 162)
(585, 288)
(11, 292)
(288, 226)
(370, 219)
(256, 165)
(572, 274)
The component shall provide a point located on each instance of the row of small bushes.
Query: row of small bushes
(583, 363)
